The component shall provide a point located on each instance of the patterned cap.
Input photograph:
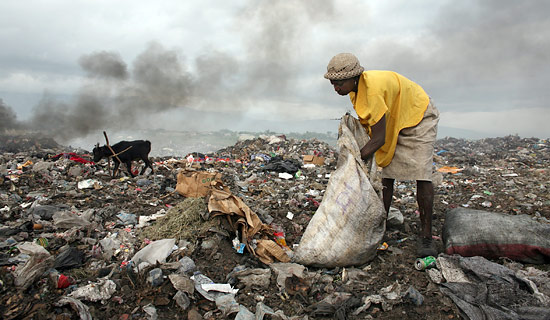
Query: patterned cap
(343, 66)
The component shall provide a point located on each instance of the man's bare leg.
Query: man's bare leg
(425, 199)
(387, 193)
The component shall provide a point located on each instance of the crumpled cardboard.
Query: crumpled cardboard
(197, 184)
(309, 158)
(223, 202)
(266, 250)
(242, 218)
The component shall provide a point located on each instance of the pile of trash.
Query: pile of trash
(212, 236)
(29, 142)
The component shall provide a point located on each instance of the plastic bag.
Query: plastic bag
(99, 291)
(70, 258)
(155, 251)
(40, 261)
(67, 220)
(350, 222)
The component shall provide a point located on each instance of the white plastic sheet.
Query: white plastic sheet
(155, 251)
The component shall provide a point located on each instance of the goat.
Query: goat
(126, 151)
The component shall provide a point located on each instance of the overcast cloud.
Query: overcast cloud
(76, 68)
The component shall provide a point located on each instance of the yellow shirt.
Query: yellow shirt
(401, 100)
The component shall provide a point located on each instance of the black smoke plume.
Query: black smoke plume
(119, 96)
(8, 118)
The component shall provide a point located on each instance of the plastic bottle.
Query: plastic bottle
(279, 235)
(280, 239)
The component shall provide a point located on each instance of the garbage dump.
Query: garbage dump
(212, 236)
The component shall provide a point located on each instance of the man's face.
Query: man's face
(343, 87)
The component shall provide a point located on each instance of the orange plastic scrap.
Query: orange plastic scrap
(26, 164)
(447, 169)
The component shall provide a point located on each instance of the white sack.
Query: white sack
(350, 222)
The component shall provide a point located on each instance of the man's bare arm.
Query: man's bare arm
(377, 140)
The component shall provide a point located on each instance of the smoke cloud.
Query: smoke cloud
(104, 64)
(8, 118)
(275, 41)
(160, 79)
(112, 97)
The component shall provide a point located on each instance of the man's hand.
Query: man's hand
(377, 140)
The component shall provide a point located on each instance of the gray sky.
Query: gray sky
(76, 68)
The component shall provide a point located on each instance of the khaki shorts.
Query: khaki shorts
(413, 158)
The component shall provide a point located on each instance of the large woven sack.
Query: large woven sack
(349, 224)
(492, 235)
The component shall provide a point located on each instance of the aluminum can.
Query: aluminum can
(424, 263)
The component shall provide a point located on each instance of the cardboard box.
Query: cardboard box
(318, 161)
